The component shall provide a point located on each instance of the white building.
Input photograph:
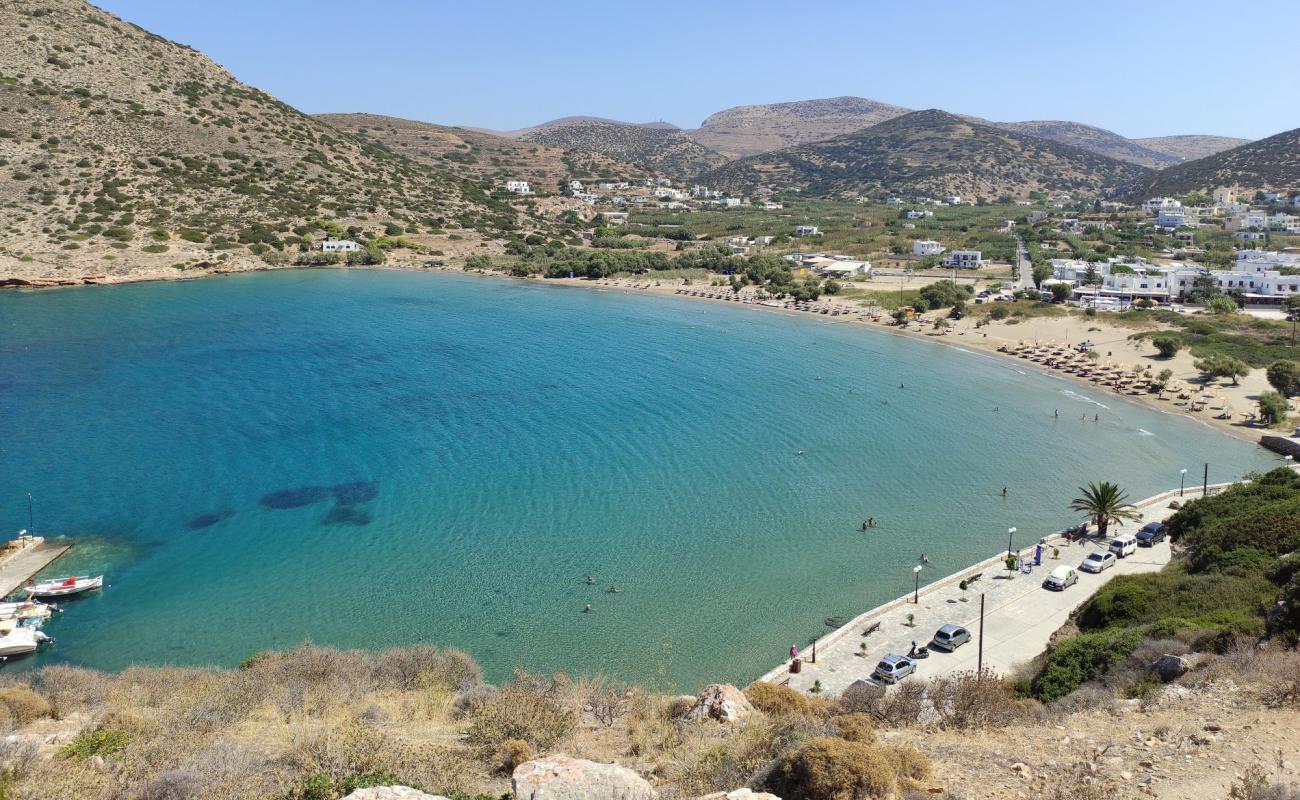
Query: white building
(518, 187)
(807, 230)
(1171, 218)
(615, 217)
(668, 193)
(918, 214)
(964, 259)
(770, 206)
(844, 268)
(1256, 285)
(953, 199)
(575, 186)
(730, 202)
(1224, 196)
(894, 201)
(1248, 219)
(1266, 259)
(1160, 203)
(927, 247)
(337, 246)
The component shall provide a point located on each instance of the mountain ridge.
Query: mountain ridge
(1269, 163)
(928, 152)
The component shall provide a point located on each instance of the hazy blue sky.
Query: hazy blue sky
(1138, 68)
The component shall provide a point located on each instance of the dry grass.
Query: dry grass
(308, 724)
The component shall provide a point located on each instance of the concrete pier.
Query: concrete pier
(15, 571)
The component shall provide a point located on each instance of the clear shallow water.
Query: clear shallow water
(377, 459)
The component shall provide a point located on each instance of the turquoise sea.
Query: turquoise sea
(371, 459)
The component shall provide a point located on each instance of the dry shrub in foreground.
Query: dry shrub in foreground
(518, 712)
(833, 769)
(24, 704)
(782, 701)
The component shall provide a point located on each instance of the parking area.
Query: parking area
(1020, 617)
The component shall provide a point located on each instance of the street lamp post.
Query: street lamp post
(1010, 533)
(916, 592)
(1182, 477)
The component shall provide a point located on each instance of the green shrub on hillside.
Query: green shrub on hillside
(1081, 658)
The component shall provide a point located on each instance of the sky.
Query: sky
(1137, 68)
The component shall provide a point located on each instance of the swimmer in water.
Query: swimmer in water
(590, 580)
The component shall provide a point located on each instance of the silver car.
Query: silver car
(1097, 561)
(950, 637)
(893, 669)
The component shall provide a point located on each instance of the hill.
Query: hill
(930, 152)
(479, 156)
(748, 130)
(1189, 148)
(1268, 163)
(667, 152)
(1093, 139)
(118, 142)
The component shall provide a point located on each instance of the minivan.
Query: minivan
(1123, 546)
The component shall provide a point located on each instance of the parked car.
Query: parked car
(1096, 562)
(950, 637)
(893, 669)
(1061, 579)
(1152, 533)
(1123, 546)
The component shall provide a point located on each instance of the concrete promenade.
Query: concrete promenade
(1019, 615)
(31, 560)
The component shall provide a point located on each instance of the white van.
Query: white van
(1123, 546)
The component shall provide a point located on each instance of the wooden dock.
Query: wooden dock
(15, 572)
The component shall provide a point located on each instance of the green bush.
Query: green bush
(1081, 658)
(1284, 376)
(105, 742)
(1167, 344)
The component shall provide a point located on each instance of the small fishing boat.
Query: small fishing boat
(27, 612)
(67, 586)
(20, 641)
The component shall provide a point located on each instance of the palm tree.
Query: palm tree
(1104, 503)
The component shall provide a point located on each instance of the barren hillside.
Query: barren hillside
(480, 156)
(119, 148)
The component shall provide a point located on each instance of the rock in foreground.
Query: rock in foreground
(722, 702)
(392, 793)
(564, 778)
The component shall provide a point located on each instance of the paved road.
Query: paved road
(1019, 620)
(1025, 267)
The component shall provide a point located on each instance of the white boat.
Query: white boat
(67, 586)
(26, 611)
(20, 641)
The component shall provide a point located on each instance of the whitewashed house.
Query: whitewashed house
(918, 213)
(1171, 218)
(575, 186)
(337, 246)
(518, 187)
(807, 230)
(927, 247)
(771, 206)
(1158, 203)
(964, 259)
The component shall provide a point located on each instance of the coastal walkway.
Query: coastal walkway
(15, 571)
(1020, 616)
